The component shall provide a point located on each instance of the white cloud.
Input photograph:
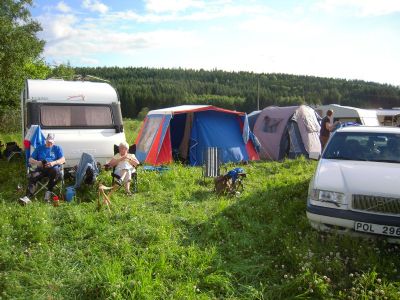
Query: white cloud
(361, 8)
(89, 42)
(208, 13)
(162, 6)
(95, 5)
(57, 27)
(88, 61)
(63, 7)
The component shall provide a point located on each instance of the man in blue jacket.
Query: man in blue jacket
(48, 159)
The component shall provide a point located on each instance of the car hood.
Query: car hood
(358, 177)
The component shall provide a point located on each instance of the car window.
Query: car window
(364, 147)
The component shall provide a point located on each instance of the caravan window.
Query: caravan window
(76, 116)
(271, 124)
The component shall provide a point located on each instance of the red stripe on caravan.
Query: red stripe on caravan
(165, 155)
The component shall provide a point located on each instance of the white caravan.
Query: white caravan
(389, 117)
(85, 116)
(350, 114)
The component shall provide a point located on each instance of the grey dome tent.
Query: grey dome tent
(252, 117)
(287, 132)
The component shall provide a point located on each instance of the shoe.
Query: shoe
(47, 196)
(24, 200)
(128, 193)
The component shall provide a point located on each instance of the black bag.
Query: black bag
(11, 149)
(223, 185)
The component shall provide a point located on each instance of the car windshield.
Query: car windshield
(363, 146)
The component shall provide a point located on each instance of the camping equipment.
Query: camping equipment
(87, 170)
(188, 130)
(287, 132)
(230, 183)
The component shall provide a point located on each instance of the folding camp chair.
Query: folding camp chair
(211, 162)
(116, 178)
(86, 171)
(41, 185)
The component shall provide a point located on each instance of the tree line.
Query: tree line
(149, 88)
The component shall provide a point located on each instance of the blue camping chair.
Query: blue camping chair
(33, 139)
(86, 171)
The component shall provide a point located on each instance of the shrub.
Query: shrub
(10, 119)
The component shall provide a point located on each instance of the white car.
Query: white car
(356, 186)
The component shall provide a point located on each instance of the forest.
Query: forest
(141, 89)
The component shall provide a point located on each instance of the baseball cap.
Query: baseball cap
(50, 137)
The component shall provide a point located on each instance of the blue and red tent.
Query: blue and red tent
(185, 132)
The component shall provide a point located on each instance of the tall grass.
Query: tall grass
(175, 239)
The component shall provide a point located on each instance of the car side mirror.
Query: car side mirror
(314, 155)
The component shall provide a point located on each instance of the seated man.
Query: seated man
(47, 158)
(125, 164)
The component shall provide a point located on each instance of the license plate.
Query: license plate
(377, 229)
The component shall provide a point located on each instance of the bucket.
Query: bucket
(69, 193)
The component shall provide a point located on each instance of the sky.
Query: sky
(348, 39)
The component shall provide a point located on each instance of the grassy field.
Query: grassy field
(175, 239)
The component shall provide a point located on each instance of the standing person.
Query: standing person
(125, 164)
(326, 128)
(48, 159)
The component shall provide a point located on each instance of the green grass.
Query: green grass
(176, 239)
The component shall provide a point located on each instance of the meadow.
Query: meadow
(176, 239)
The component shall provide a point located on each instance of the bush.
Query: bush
(143, 113)
(10, 119)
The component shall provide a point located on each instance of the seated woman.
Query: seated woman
(125, 164)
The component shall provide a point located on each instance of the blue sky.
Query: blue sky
(351, 39)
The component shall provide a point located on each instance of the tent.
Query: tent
(253, 118)
(184, 132)
(341, 113)
(287, 132)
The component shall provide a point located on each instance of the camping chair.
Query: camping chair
(211, 162)
(41, 185)
(230, 183)
(86, 171)
(115, 177)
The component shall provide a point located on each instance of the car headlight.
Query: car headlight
(327, 196)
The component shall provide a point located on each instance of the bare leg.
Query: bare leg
(123, 174)
(128, 187)
(126, 178)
